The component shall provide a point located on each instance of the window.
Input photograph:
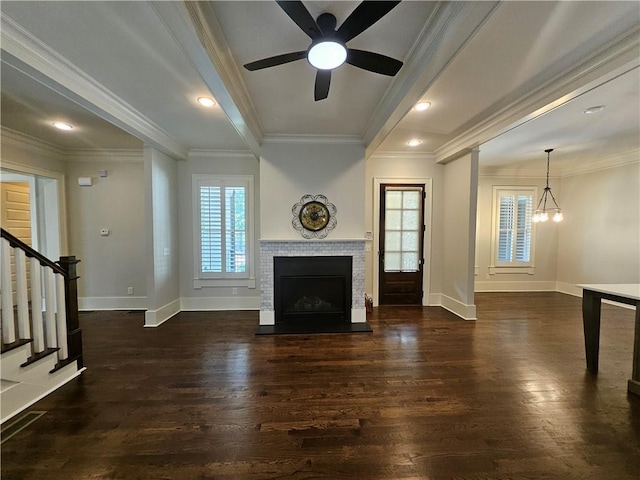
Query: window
(513, 235)
(223, 237)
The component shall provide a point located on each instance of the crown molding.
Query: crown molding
(447, 31)
(197, 31)
(14, 137)
(223, 154)
(613, 59)
(313, 139)
(613, 161)
(393, 155)
(112, 155)
(31, 56)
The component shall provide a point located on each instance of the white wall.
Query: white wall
(459, 234)
(290, 170)
(401, 168)
(161, 215)
(600, 235)
(109, 264)
(545, 239)
(214, 298)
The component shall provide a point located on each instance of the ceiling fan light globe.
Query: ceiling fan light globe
(327, 55)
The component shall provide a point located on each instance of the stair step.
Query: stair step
(7, 347)
(6, 385)
(38, 356)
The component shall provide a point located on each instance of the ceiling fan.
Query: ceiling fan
(328, 48)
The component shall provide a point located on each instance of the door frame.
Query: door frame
(428, 203)
(61, 188)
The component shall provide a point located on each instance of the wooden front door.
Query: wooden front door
(401, 255)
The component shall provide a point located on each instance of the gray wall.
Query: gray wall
(214, 298)
(600, 236)
(110, 264)
(161, 213)
(460, 200)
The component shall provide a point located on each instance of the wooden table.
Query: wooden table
(592, 295)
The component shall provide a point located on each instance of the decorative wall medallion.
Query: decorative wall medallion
(314, 216)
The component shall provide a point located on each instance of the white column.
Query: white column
(50, 308)
(36, 306)
(61, 318)
(8, 324)
(24, 329)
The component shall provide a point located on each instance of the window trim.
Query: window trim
(246, 279)
(497, 267)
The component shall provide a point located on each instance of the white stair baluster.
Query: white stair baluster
(8, 323)
(50, 308)
(61, 318)
(36, 306)
(24, 330)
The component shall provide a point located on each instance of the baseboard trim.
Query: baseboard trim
(154, 318)
(466, 312)
(219, 303)
(112, 303)
(571, 289)
(518, 286)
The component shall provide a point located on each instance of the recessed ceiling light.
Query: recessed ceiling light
(421, 106)
(414, 142)
(596, 109)
(62, 126)
(206, 101)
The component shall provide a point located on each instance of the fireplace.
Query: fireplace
(312, 290)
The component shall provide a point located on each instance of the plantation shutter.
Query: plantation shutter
(505, 231)
(223, 229)
(514, 227)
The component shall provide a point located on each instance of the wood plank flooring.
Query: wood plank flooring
(425, 396)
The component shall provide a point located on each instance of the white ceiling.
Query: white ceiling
(140, 66)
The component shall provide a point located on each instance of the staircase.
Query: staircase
(41, 336)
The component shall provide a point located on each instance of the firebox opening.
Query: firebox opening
(312, 289)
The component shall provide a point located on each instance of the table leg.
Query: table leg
(591, 321)
(634, 382)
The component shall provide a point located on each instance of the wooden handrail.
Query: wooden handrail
(30, 252)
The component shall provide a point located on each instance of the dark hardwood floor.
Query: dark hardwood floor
(425, 396)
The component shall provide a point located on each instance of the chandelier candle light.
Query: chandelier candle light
(541, 215)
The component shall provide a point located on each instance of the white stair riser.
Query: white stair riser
(23, 395)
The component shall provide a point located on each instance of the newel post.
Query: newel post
(74, 333)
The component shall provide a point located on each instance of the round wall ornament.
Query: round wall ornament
(314, 216)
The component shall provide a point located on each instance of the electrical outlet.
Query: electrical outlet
(234, 291)
(130, 291)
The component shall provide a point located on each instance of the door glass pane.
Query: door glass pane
(410, 261)
(410, 220)
(393, 199)
(392, 241)
(393, 220)
(392, 262)
(410, 241)
(411, 200)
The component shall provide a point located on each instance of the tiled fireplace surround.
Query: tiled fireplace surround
(311, 248)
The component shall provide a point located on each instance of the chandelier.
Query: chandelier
(541, 214)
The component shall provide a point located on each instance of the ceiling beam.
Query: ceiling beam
(445, 34)
(26, 53)
(198, 33)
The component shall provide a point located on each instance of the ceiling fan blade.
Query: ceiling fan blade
(373, 62)
(277, 60)
(323, 80)
(365, 15)
(301, 16)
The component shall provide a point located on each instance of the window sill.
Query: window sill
(199, 283)
(529, 270)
